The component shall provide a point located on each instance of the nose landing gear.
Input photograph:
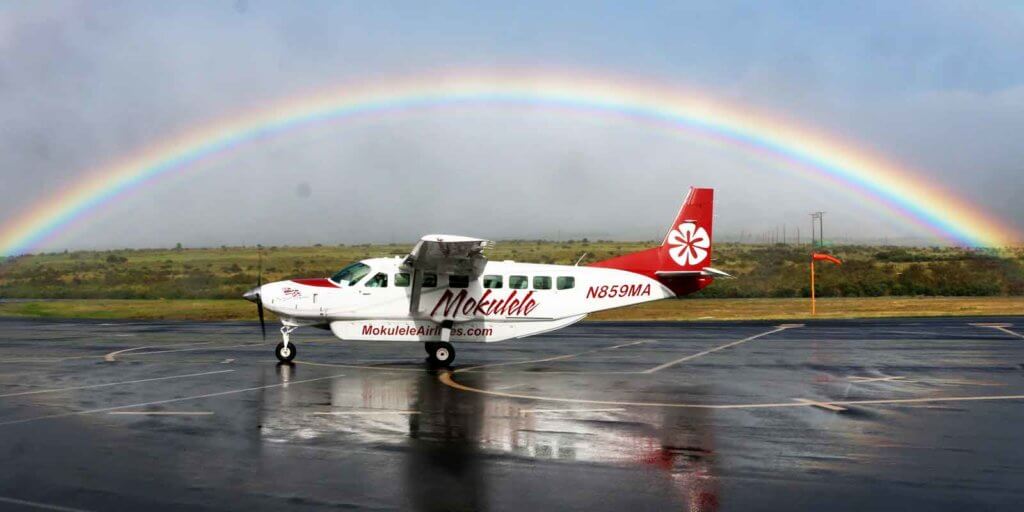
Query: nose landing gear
(285, 351)
(440, 353)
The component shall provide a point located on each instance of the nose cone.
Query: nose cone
(251, 294)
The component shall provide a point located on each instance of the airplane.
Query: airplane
(446, 290)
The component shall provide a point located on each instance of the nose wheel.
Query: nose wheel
(440, 353)
(285, 353)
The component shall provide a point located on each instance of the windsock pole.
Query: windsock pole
(814, 306)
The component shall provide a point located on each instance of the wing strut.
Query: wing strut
(417, 286)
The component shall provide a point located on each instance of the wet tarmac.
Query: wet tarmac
(855, 415)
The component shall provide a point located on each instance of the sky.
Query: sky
(934, 86)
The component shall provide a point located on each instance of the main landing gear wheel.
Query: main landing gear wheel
(441, 354)
(285, 353)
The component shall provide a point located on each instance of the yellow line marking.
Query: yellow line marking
(167, 401)
(107, 384)
(162, 413)
(824, 405)
(716, 349)
(446, 379)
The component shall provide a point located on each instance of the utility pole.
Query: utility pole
(818, 217)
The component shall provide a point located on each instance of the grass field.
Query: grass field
(772, 280)
(682, 310)
(762, 271)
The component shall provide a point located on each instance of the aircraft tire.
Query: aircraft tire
(285, 355)
(442, 354)
(429, 347)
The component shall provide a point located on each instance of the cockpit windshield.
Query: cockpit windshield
(351, 274)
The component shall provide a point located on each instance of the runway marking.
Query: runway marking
(36, 504)
(1001, 327)
(884, 378)
(111, 357)
(362, 367)
(167, 401)
(962, 382)
(824, 405)
(108, 384)
(543, 411)
(162, 413)
(553, 358)
(670, 364)
(446, 379)
(362, 413)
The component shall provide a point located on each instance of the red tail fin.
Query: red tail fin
(686, 250)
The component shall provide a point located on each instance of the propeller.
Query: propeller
(259, 288)
(254, 295)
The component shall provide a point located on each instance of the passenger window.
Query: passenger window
(378, 281)
(402, 279)
(518, 282)
(456, 281)
(429, 280)
(492, 281)
(566, 282)
(541, 283)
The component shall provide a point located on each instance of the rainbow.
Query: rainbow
(898, 190)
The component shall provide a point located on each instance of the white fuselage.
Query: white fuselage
(507, 300)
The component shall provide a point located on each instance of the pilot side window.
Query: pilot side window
(429, 280)
(457, 281)
(492, 281)
(351, 274)
(518, 282)
(566, 282)
(541, 282)
(378, 281)
(402, 279)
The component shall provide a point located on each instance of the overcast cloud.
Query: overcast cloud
(936, 86)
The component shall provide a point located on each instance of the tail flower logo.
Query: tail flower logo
(689, 244)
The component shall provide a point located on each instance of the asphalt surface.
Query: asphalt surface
(865, 415)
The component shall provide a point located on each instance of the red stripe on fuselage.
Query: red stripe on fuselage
(322, 283)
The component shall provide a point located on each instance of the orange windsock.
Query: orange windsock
(818, 256)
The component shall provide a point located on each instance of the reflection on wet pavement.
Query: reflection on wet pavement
(833, 415)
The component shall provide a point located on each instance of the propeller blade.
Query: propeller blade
(259, 288)
(259, 307)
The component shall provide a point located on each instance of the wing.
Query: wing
(444, 254)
